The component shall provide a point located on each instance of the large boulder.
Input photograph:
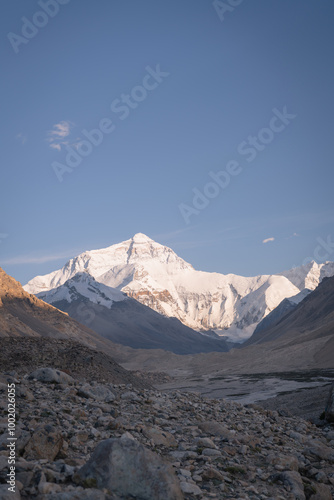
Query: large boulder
(45, 442)
(124, 467)
(50, 375)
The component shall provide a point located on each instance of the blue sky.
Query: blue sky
(198, 89)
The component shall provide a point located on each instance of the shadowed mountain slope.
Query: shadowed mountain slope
(35, 333)
(313, 316)
(126, 321)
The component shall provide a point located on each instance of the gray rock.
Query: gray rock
(22, 439)
(24, 393)
(294, 481)
(285, 461)
(321, 477)
(190, 489)
(319, 450)
(323, 492)
(98, 392)
(183, 455)
(3, 462)
(130, 396)
(330, 436)
(212, 473)
(185, 473)
(9, 495)
(126, 468)
(206, 443)
(25, 478)
(215, 429)
(160, 437)
(329, 412)
(297, 436)
(50, 375)
(209, 452)
(45, 488)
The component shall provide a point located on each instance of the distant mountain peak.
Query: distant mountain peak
(141, 238)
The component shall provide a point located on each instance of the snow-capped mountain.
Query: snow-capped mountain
(310, 275)
(155, 276)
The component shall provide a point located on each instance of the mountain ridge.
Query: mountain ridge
(157, 277)
(313, 315)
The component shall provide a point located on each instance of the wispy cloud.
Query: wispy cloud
(267, 240)
(61, 129)
(41, 259)
(58, 133)
(22, 138)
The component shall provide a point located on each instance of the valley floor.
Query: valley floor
(303, 394)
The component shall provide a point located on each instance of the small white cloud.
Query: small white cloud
(58, 133)
(22, 138)
(55, 146)
(267, 240)
(61, 130)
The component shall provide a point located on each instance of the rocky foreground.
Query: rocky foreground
(80, 440)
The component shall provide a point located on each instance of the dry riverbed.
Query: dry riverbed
(300, 393)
